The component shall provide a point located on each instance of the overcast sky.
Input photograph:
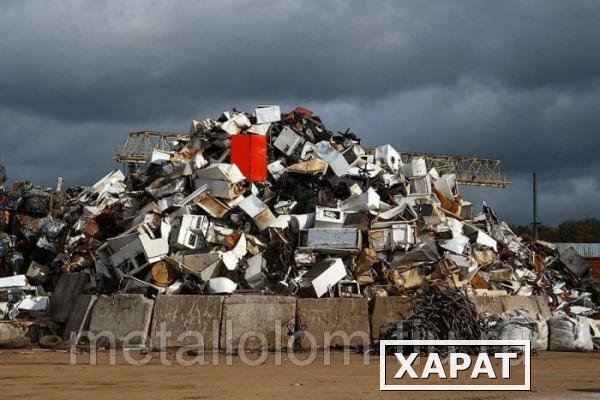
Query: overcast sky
(515, 80)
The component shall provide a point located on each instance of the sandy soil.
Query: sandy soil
(41, 374)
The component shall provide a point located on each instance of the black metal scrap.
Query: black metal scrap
(441, 313)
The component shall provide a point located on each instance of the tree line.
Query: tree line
(574, 231)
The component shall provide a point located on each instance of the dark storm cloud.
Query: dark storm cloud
(514, 80)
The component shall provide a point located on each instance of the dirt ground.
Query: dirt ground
(42, 374)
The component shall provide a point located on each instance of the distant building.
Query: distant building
(589, 251)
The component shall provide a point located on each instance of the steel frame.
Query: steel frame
(472, 171)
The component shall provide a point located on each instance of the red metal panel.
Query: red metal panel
(258, 163)
(240, 148)
(249, 153)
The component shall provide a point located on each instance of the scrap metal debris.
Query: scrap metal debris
(272, 203)
(441, 313)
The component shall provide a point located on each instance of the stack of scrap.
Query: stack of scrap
(269, 203)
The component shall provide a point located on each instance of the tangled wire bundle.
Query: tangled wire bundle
(441, 312)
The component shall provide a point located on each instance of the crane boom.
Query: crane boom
(473, 171)
(139, 145)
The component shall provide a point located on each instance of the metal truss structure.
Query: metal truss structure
(139, 145)
(473, 171)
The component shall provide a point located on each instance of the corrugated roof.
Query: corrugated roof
(586, 250)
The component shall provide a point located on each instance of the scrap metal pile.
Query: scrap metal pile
(266, 202)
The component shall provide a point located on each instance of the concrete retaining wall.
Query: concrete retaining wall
(333, 322)
(265, 315)
(488, 304)
(387, 310)
(121, 315)
(542, 302)
(224, 322)
(528, 303)
(176, 315)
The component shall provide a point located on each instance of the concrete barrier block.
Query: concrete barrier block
(120, 315)
(487, 304)
(198, 316)
(79, 320)
(387, 310)
(542, 303)
(245, 315)
(333, 322)
(512, 303)
(67, 290)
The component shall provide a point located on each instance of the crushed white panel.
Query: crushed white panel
(13, 281)
(267, 113)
